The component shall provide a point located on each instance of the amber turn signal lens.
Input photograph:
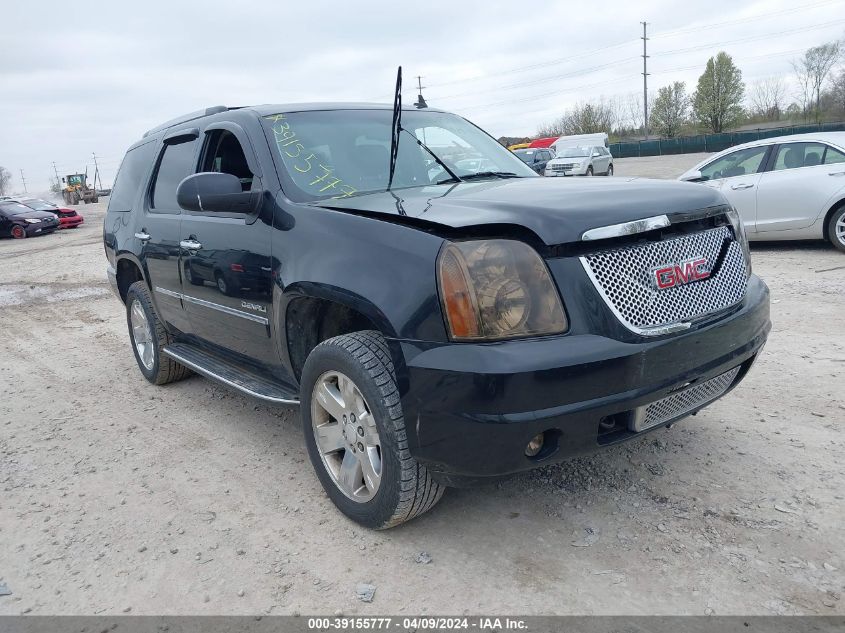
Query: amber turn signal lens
(457, 298)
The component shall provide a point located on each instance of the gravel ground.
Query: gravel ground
(120, 497)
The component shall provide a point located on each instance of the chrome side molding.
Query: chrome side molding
(626, 228)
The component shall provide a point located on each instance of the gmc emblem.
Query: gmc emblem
(672, 275)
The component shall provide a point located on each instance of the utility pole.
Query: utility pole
(96, 172)
(645, 80)
(23, 180)
(56, 171)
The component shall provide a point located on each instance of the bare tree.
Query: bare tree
(5, 181)
(812, 71)
(837, 91)
(768, 97)
(634, 110)
(584, 118)
(669, 111)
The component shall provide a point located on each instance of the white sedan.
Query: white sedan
(785, 187)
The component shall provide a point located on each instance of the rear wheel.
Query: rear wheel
(610, 169)
(355, 433)
(148, 337)
(589, 170)
(18, 232)
(836, 228)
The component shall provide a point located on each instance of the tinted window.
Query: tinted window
(834, 156)
(14, 208)
(739, 163)
(130, 176)
(795, 155)
(176, 163)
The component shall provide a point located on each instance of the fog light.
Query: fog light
(535, 445)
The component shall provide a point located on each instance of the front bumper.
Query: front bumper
(470, 409)
(69, 223)
(41, 228)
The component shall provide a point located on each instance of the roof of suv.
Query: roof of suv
(267, 109)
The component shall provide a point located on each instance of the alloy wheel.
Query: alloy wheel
(142, 336)
(347, 436)
(839, 229)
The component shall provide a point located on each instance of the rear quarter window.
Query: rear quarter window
(130, 177)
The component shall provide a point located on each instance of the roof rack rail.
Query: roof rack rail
(185, 118)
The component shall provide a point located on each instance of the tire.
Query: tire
(222, 286)
(836, 228)
(589, 171)
(74, 199)
(609, 170)
(405, 488)
(189, 276)
(155, 366)
(95, 200)
(18, 232)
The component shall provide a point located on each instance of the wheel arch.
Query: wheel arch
(312, 313)
(128, 270)
(829, 214)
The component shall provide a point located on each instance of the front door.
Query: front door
(737, 175)
(158, 229)
(226, 260)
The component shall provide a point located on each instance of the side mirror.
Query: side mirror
(214, 191)
(693, 176)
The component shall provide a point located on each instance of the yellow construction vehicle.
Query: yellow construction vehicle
(76, 188)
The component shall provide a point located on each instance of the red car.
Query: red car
(68, 218)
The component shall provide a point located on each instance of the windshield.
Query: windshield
(573, 152)
(39, 205)
(341, 153)
(526, 156)
(14, 208)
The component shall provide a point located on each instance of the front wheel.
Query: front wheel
(18, 232)
(610, 169)
(589, 171)
(836, 228)
(355, 433)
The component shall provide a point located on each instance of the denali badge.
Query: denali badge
(672, 275)
(253, 306)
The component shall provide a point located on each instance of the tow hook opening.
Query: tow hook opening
(543, 445)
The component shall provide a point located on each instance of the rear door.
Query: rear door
(159, 228)
(798, 186)
(226, 257)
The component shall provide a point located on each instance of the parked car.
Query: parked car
(68, 218)
(19, 221)
(536, 159)
(785, 187)
(584, 160)
(437, 326)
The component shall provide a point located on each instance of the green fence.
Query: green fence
(713, 142)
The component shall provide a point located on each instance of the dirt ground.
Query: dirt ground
(117, 496)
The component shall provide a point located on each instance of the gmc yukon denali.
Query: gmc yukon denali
(442, 315)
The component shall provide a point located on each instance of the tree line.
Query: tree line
(721, 100)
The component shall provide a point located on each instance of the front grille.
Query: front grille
(683, 402)
(563, 167)
(625, 278)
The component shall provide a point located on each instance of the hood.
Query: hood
(557, 210)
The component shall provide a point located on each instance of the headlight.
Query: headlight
(739, 232)
(31, 220)
(496, 289)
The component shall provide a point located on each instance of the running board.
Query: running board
(230, 374)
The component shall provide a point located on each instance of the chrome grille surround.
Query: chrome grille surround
(682, 402)
(623, 278)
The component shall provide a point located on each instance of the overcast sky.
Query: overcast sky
(92, 77)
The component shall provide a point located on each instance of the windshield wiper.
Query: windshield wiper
(396, 127)
(452, 177)
(491, 174)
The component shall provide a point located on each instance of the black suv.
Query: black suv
(443, 315)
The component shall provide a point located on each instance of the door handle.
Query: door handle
(836, 173)
(190, 245)
(143, 236)
(744, 185)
